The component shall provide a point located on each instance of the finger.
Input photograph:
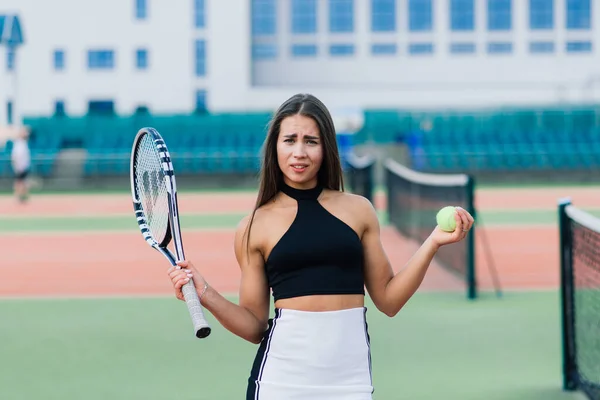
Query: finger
(465, 219)
(181, 282)
(183, 263)
(173, 269)
(470, 218)
(181, 275)
(458, 231)
(177, 273)
(464, 215)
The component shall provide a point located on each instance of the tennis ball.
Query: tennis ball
(445, 219)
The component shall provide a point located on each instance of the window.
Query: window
(578, 14)
(304, 16)
(59, 60)
(199, 21)
(141, 59)
(420, 48)
(383, 15)
(201, 101)
(262, 51)
(105, 107)
(141, 11)
(499, 15)
(341, 16)
(462, 48)
(101, 59)
(462, 15)
(9, 112)
(341, 49)
(499, 48)
(541, 47)
(10, 58)
(541, 14)
(579, 47)
(304, 50)
(420, 16)
(59, 108)
(200, 58)
(381, 49)
(264, 15)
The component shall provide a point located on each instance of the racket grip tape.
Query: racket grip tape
(201, 327)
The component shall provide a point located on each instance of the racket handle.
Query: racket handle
(201, 326)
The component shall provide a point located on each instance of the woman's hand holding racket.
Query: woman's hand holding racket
(181, 274)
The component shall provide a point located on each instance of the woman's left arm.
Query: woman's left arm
(390, 291)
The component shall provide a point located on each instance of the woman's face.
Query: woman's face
(299, 151)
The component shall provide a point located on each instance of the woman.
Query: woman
(317, 248)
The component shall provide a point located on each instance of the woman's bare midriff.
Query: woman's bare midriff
(322, 302)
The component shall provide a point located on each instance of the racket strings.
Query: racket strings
(152, 188)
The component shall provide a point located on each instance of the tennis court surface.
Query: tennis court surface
(88, 311)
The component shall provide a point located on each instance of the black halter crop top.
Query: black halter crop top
(318, 254)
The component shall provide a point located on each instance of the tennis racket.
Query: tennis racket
(155, 204)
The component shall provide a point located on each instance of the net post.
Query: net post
(567, 297)
(470, 278)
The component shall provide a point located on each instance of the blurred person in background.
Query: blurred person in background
(21, 164)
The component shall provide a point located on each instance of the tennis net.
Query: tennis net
(360, 171)
(414, 198)
(580, 298)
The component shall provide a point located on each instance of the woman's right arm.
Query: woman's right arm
(247, 320)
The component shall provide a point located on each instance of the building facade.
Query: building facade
(242, 55)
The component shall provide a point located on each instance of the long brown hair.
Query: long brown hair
(271, 177)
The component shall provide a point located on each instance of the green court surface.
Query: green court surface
(231, 220)
(114, 222)
(440, 346)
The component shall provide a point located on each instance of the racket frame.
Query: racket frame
(201, 327)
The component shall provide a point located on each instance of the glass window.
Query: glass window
(462, 48)
(499, 15)
(341, 16)
(101, 59)
(201, 100)
(59, 107)
(578, 14)
(383, 48)
(541, 47)
(264, 51)
(304, 50)
(499, 48)
(264, 17)
(141, 11)
(141, 59)
(200, 58)
(383, 15)
(579, 47)
(341, 49)
(420, 48)
(199, 21)
(59, 60)
(541, 14)
(462, 15)
(420, 15)
(304, 16)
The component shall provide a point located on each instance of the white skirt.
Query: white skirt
(313, 355)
